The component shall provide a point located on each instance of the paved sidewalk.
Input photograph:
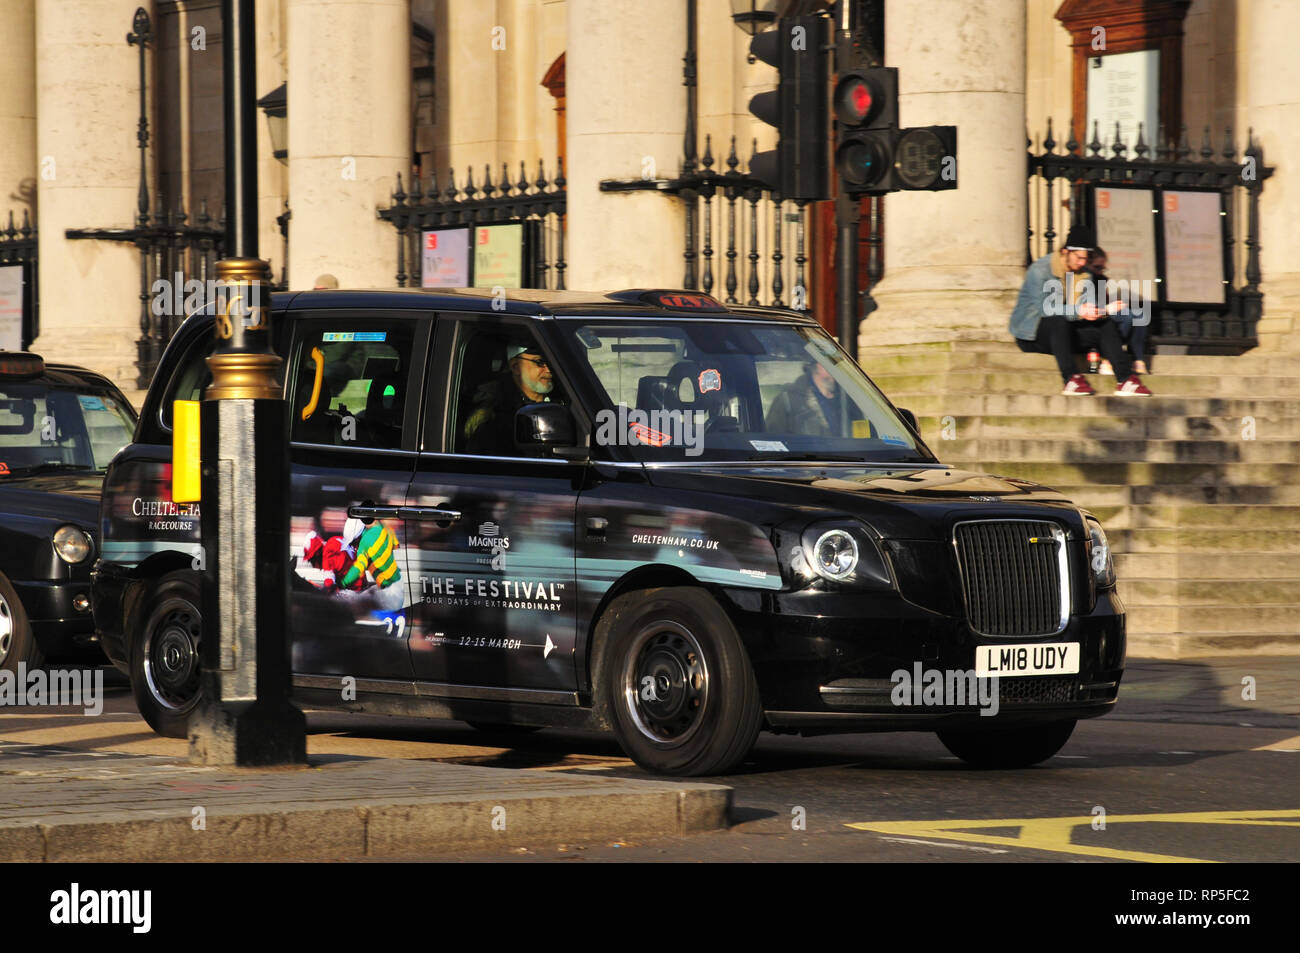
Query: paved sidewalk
(1261, 691)
(61, 805)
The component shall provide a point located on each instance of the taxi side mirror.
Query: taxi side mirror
(910, 419)
(548, 428)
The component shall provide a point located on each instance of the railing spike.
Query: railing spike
(1229, 147)
(1207, 149)
(1049, 143)
(1071, 144)
(707, 161)
(560, 181)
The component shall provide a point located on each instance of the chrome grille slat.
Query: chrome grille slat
(1013, 587)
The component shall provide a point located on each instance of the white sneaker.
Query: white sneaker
(1106, 369)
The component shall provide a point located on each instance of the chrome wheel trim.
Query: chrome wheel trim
(665, 683)
(6, 629)
(170, 655)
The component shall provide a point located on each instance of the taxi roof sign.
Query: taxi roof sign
(21, 364)
(673, 300)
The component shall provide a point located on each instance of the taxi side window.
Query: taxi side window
(350, 385)
(191, 379)
(498, 370)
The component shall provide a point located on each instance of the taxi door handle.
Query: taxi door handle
(368, 511)
(430, 513)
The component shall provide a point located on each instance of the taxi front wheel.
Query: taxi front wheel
(679, 686)
(165, 654)
(1008, 747)
(17, 644)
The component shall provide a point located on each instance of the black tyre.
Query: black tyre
(17, 644)
(1017, 747)
(164, 654)
(680, 690)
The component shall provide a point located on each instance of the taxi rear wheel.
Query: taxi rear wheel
(165, 655)
(680, 690)
(1017, 747)
(17, 644)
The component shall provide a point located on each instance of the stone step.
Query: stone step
(1203, 644)
(1282, 619)
(1172, 516)
(1179, 365)
(1227, 541)
(1091, 450)
(898, 387)
(1184, 591)
(936, 403)
(1211, 476)
(936, 429)
(1223, 495)
(1148, 566)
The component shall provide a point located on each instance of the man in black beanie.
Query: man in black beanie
(1057, 314)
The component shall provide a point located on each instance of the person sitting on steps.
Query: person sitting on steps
(1053, 316)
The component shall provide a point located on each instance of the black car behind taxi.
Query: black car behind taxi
(59, 427)
(641, 511)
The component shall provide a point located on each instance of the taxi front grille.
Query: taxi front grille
(1014, 576)
(1037, 690)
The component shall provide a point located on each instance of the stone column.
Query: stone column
(626, 115)
(954, 260)
(349, 136)
(87, 104)
(1274, 112)
(17, 110)
(272, 174)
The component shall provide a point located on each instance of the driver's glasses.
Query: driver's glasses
(539, 361)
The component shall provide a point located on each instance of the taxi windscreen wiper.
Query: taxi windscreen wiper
(48, 466)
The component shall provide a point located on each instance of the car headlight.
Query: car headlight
(71, 543)
(1100, 560)
(839, 551)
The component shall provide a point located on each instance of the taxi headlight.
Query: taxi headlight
(72, 544)
(840, 551)
(835, 554)
(1100, 560)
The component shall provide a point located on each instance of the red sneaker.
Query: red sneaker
(1131, 387)
(1077, 386)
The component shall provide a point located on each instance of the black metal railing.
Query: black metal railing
(540, 204)
(1059, 191)
(742, 242)
(173, 254)
(18, 246)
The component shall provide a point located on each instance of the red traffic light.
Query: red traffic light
(867, 97)
(858, 99)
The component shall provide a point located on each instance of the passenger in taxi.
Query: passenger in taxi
(489, 428)
(808, 405)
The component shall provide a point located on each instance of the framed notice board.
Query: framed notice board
(1193, 225)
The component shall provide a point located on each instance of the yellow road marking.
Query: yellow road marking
(1053, 833)
(1286, 744)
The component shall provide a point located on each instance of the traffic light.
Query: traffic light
(873, 155)
(866, 127)
(797, 167)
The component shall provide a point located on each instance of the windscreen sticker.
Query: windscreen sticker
(649, 436)
(90, 403)
(773, 446)
(332, 337)
(861, 429)
(710, 380)
(896, 441)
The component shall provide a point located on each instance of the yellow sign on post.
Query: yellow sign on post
(185, 451)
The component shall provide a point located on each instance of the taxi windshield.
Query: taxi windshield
(46, 427)
(727, 390)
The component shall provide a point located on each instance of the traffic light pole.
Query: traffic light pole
(244, 716)
(846, 214)
(846, 272)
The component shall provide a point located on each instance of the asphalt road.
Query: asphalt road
(1183, 770)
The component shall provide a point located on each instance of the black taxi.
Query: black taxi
(60, 425)
(640, 511)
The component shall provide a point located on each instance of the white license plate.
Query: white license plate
(1042, 658)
